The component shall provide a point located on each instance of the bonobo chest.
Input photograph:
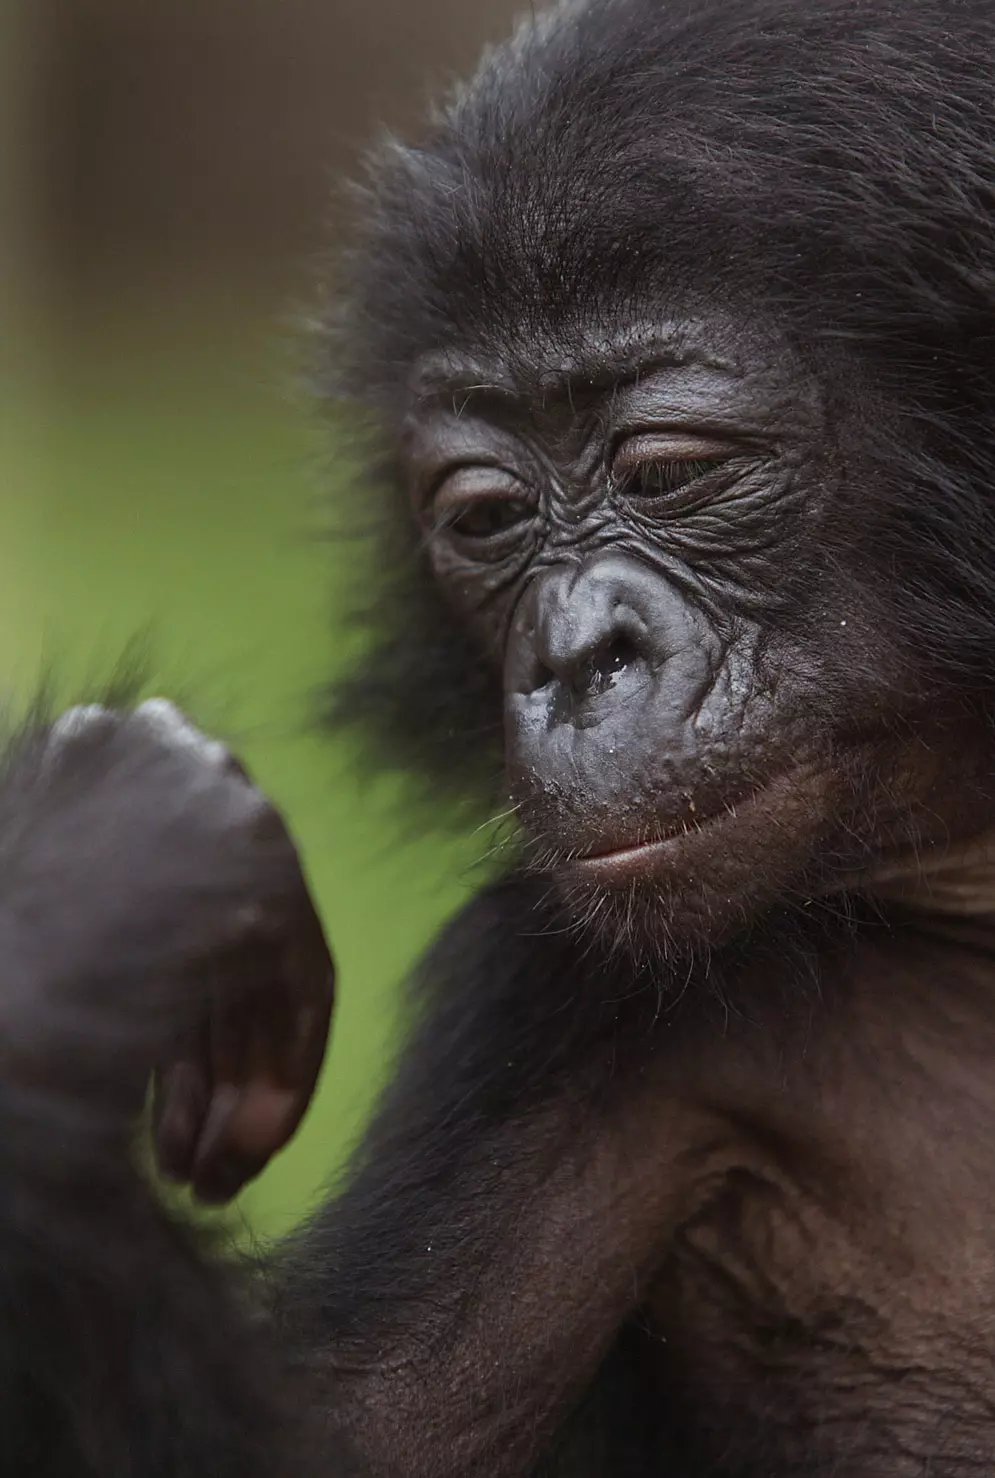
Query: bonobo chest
(830, 1288)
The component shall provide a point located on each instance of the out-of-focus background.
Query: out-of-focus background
(167, 187)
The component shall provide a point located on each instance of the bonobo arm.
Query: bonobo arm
(509, 1204)
(152, 912)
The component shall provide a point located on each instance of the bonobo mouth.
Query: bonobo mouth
(624, 861)
(747, 826)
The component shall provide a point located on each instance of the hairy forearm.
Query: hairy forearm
(457, 1298)
(461, 1355)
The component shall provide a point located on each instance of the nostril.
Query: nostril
(620, 652)
(541, 675)
(611, 658)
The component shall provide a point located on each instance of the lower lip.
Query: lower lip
(645, 859)
(629, 862)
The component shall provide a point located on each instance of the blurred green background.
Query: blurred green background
(166, 187)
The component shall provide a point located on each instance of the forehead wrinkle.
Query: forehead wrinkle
(602, 367)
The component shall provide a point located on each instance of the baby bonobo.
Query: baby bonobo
(676, 329)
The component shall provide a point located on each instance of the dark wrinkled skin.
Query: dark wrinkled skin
(682, 667)
(676, 332)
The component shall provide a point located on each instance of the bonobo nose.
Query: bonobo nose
(580, 628)
(607, 667)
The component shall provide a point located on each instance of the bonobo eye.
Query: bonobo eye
(659, 467)
(656, 479)
(479, 503)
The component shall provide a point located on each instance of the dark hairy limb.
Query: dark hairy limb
(139, 872)
(507, 1210)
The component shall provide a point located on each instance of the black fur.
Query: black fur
(828, 168)
(123, 1349)
(650, 1194)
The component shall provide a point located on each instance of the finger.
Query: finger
(245, 1126)
(280, 1081)
(269, 1020)
(283, 1034)
(305, 1007)
(219, 1172)
(181, 1095)
(231, 992)
(181, 1100)
(288, 1046)
(262, 1121)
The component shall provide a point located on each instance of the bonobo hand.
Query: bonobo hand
(195, 898)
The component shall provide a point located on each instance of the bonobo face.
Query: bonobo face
(663, 546)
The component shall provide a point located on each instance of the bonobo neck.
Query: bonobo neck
(955, 883)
